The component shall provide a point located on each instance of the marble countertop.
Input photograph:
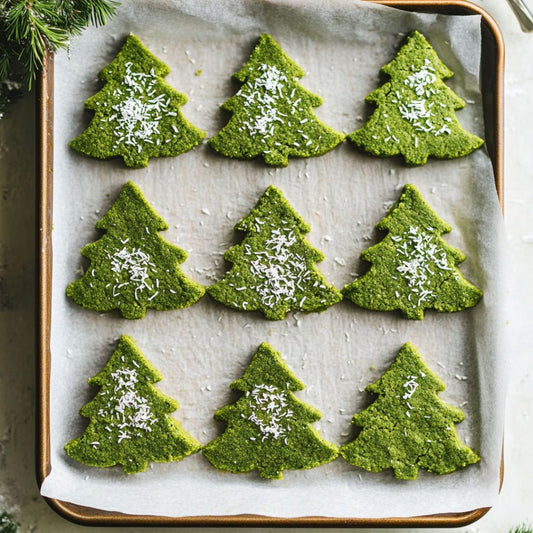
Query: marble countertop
(18, 489)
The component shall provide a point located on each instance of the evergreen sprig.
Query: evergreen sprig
(31, 28)
(7, 524)
(522, 529)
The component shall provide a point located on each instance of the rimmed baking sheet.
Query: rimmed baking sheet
(342, 195)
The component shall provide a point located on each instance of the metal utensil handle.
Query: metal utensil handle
(523, 14)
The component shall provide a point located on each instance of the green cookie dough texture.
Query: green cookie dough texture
(408, 427)
(272, 113)
(268, 427)
(133, 268)
(274, 268)
(137, 115)
(412, 267)
(415, 110)
(129, 418)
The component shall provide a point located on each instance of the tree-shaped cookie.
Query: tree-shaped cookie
(415, 110)
(268, 427)
(272, 114)
(274, 267)
(136, 114)
(129, 417)
(132, 267)
(408, 427)
(413, 268)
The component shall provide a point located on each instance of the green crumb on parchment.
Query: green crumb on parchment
(268, 427)
(413, 268)
(274, 267)
(408, 427)
(272, 114)
(132, 267)
(198, 72)
(129, 417)
(415, 110)
(136, 114)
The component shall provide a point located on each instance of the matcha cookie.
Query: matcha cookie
(415, 110)
(272, 114)
(136, 114)
(408, 427)
(129, 418)
(413, 268)
(268, 427)
(133, 268)
(274, 268)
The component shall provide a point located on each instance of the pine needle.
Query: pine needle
(7, 525)
(522, 529)
(29, 29)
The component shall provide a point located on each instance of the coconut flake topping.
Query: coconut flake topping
(419, 260)
(279, 272)
(422, 79)
(137, 115)
(126, 410)
(270, 411)
(136, 265)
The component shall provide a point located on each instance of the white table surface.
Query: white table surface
(18, 489)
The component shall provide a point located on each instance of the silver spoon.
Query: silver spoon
(523, 14)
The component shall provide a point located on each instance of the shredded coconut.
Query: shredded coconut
(137, 115)
(126, 410)
(270, 411)
(280, 272)
(410, 385)
(422, 79)
(418, 111)
(263, 97)
(418, 259)
(136, 265)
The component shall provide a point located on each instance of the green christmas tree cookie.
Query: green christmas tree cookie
(412, 267)
(274, 268)
(133, 268)
(137, 115)
(129, 418)
(415, 110)
(268, 427)
(272, 113)
(408, 427)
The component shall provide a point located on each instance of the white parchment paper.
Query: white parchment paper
(343, 194)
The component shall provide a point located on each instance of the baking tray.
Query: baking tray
(492, 62)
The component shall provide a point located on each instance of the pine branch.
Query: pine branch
(33, 26)
(29, 29)
(7, 524)
(78, 14)
(4, 64)
(522, 529)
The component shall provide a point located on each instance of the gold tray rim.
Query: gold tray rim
(96, 517)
